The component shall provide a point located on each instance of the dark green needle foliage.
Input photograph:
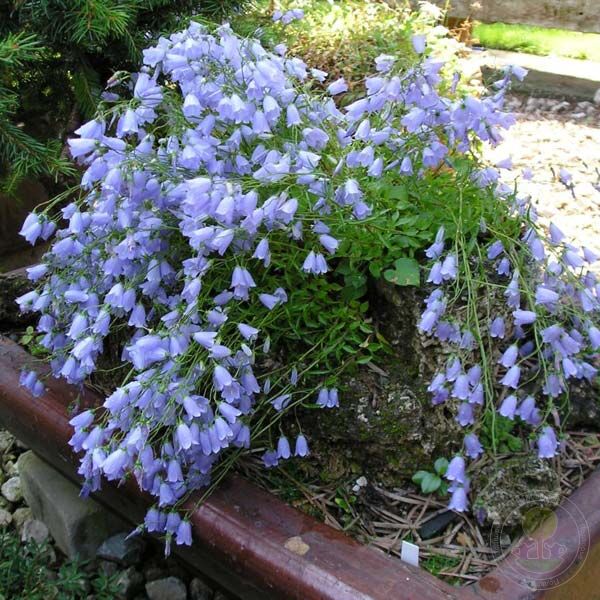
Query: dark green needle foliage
(55, 58)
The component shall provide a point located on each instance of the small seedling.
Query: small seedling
(431, 481)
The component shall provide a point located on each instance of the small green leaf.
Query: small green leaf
(405, 272)
(355, 280)
(440, 466)
(514, 443)
(344, 268)
(430, 483)
(397, 192)
(375, 269)
(419, 476)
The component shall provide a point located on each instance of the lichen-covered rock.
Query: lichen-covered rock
(397, 311)
(5, 518)
(11, 490)
(129, 583)
(34, 530)
(584, 404)
(170, 587)
(122, 549)
(509, 489)
(384, 429)
(6, 441)
(20, 517)
(199, 590)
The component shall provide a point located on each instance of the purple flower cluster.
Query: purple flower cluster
(283, 451)
(294, 14)
(209, 175)
(546, 334)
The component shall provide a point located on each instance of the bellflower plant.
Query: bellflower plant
(537, 334)
(228, 217)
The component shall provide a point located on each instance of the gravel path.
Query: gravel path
(550, 135)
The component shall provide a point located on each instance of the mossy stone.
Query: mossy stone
(508, 489)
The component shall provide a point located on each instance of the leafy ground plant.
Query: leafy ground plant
(432, 481)
(227, 226)
(25, 575)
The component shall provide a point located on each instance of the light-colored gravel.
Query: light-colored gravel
(550, 135)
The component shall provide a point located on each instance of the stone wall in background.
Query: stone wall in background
(578, 15)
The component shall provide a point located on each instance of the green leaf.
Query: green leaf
(406, 271)
(342, 504)
(375, 269)
(355, 280)
(440, 466)
(344, 268)
(430, 483)
(419, 476)
(397, 192)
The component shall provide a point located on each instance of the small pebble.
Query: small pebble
(153, 573)
(130, 582)
(11, 469)
(199, 590)
(169, 588)
(5, 518)
(11, 490)
(34, 530)
(6, 441)
(20, 516)
(108, 568)
(122, 549)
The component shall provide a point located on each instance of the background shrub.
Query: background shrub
(55, 58)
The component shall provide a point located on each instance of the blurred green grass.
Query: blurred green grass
(539, 40)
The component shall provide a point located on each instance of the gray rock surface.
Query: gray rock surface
(11, 469)
(130, 582)
(108, 568)
(122, 550)
(20, 516)
(509, 489)
(6, 441)
(78, 525)
(386, 427)
(34, 530)
(11, 490)
(5, 518)
(152, 573)
(199, 590)
(169, 588)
